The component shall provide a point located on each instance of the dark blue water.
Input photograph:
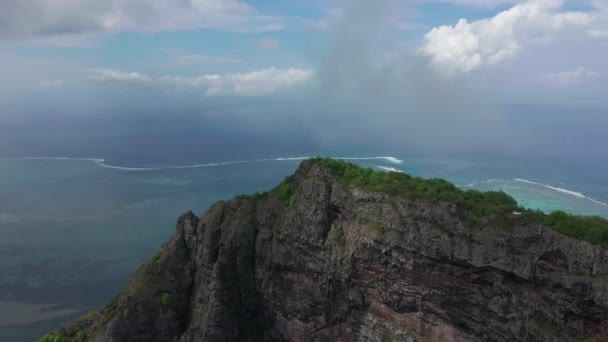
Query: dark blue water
(74, 230)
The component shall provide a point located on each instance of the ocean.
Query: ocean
(73, 230)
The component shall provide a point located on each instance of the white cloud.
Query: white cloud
(476, 3)
(50, 18)
(467, 46)
(598, 34)
(255, 83)
(183, 57)
(600, 5)
(266, 43)
(120, 76)
(190, 58)
(330, 19)
(576, 77)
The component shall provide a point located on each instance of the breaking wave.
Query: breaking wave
(392, 160)
(565, 191)
(389, 169)
(102, 162)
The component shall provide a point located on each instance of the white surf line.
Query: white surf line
(210, 164)
(99, 161)
(566, 191)
(388, 159)
(392, 160)
(389, 169)
(96, 160)
(288, 159)
(102, 162)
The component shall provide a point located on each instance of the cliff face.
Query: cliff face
(336, 263)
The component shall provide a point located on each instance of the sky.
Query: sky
(162, 78)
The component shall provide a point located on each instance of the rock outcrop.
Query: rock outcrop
(334, 262)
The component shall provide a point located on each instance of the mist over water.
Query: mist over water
(368, 94)
(73, 229)
(368, 97)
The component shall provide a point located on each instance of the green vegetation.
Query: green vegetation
(59, 337)
(51, 337)
(259, 195)
(479, 205)
(165, 298)
(588, 228)
(155, 258)
(401, 184)
(89, 315)
(111, 310)
(286, 192)
(125, 313)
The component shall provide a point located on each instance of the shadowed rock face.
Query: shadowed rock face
(337, 263)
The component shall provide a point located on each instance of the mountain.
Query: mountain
(341, 253)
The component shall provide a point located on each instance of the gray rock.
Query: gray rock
(342, 264)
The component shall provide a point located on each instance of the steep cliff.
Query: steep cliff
(322, 259)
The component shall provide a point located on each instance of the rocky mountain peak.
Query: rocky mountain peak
(341, 253)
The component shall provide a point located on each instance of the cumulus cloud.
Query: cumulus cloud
(601, 5)
(467, 46)
(598, 34)
(255, 83)
(51, 18)
(117, 76)
(266, 43)
(600, 31)
(576, 77)
(364, 97)
(193, 58)
(476, 3)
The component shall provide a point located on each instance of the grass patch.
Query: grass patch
(51, 337)
(109, 311)
(401, 184)
(125, 313)
(58, 337)
(259, 195)
(165, 298)
(476, 204)
(286, 192)
(588, 228)
(155, 258)
(89, 315)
